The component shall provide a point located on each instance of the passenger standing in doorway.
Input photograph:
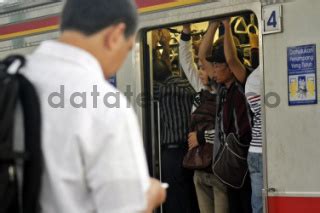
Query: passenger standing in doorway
(90, 165)
(253, 93)
(175, 96)
(211, 192)
(226, 61)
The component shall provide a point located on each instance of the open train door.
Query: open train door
(174, 18)
(290, 53)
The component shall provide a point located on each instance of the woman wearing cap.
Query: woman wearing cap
(225, 65)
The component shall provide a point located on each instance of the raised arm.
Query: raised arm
(206, 43)
(186, 59)
(230, 52)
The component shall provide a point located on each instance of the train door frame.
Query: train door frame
(190, 14)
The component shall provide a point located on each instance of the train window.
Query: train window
(167, 120)
(244, 28)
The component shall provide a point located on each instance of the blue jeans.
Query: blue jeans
(256, 175)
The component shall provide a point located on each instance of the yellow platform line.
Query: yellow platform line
(29, 32)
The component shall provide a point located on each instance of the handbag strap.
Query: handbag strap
(232, 112)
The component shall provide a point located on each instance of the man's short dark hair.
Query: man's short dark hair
(218, 56)
(161, 70)
(91, 16)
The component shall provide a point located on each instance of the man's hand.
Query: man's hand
(192, 140)
(226, 22)
(155, 38)
(156, 195)
(186, 28)
(165, 37)
(214, 24)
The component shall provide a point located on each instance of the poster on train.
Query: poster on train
(302, 69)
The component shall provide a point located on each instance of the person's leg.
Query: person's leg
(245, 196)
(221, 204)
(171, 174)
(180, 194)
(234, 201)
(189, 200)
(256, 175)
(204, 192)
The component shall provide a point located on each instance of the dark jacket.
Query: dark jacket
(233, 115)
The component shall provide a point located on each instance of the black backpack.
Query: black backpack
(14, 88)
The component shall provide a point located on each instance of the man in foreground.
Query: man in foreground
(93, 154)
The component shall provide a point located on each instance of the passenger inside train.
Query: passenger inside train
(211, 113)
(220, 60)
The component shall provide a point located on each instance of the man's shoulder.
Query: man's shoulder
(46, 64)
(175, 78)
(83, 90)
(63, 57)
(178, 81)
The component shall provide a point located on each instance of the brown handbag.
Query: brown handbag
(199, 157)
(203, 118)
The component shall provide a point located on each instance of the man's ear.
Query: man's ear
(114, 35)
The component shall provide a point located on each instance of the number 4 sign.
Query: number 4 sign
(272, 16)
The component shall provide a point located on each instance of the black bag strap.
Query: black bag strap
(231, 109)
(8, 99)
(231, 105)
(32, 155)
(32, 128)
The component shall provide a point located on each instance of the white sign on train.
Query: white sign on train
(272, 19)
(302, 69)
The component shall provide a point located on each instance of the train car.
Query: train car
(288, 39)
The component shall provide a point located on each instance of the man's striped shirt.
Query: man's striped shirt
(175, 96)
(253, 94)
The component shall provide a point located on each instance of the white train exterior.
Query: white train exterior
(289, 37)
